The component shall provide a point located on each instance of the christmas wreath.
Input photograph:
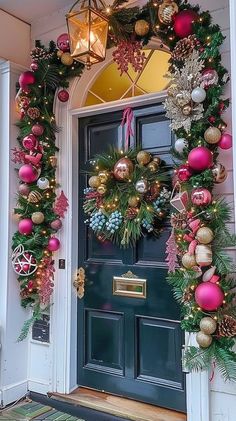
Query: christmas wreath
(195, 104)
(126, 197)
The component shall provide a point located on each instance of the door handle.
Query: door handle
(79, 282)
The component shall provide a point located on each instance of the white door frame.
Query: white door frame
(64, 310)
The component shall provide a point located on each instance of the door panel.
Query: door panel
(128, 346)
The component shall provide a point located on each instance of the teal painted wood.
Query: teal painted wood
(37, 412)
(128, 346)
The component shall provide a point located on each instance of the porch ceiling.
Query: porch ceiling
(30, 10)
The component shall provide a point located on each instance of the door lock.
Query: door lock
(79, 282)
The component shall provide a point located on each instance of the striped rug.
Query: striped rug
(35, 411)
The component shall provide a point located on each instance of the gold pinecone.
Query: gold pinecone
(227, 326)
(187, 296)
(184, 48)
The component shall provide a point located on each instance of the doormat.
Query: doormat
(35, 411)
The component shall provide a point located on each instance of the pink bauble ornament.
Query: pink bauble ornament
(37, 129)
(24, 189)
(209, 296)
(183, 23)
(28, 173)
(63, 95)
(56, 224)
(63, 42)
(25, 226)
(201, 197)
(30, 142)
(34, 66)
(26, 78)
(184, 173)
(200, 158)
(209, 78)
(53, 244)
(225, 141)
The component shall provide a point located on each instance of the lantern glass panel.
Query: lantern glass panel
(88, 31)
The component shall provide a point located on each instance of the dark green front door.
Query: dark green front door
(128, 346)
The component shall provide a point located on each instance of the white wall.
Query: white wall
(13, 355)
(15, 39)
(222, 399)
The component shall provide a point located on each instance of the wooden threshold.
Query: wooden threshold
(120, 407)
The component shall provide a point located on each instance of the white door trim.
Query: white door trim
(64, 313)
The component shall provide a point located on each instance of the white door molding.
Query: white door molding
(232, 9)
(64, 313)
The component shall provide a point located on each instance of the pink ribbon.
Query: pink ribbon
(127, 119)
(212, 371)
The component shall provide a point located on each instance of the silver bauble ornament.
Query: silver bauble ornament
(180, 145)
(198, 95)
(141, 186)
(43, 183)
(203, 340)
(208, 325)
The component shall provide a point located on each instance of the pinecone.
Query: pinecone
(179, 220)
(131, 213)
(227, 327)
(39, 53)
(184, 48)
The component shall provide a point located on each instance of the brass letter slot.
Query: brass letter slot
(129, 287)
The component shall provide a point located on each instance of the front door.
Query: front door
(128, 346)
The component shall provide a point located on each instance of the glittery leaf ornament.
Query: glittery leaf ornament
(171, 251)
(46, 281)
(183, 81)
(61, 205)
(129, 52)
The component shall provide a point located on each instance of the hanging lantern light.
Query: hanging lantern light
(88, 29)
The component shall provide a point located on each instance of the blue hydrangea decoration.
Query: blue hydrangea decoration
(114, 222)
(97, 221)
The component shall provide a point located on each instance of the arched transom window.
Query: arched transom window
(111, 86)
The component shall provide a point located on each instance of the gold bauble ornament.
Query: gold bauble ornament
(203, 340)
(157, 160)
(102, 189)
(204, 235)
(188, 260)
(219, 173)
(166, 11)
(59, 53)
(203, 254)
(143, 157)
(133, 201)
(53, 161)
(141, 27)
(103, 176)
(153, 166)
(123, 169)
(37, 217)
(208, 325)
(34, 197)
(66, 59)
(186, 110)
(94, 182)
(212, 135)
